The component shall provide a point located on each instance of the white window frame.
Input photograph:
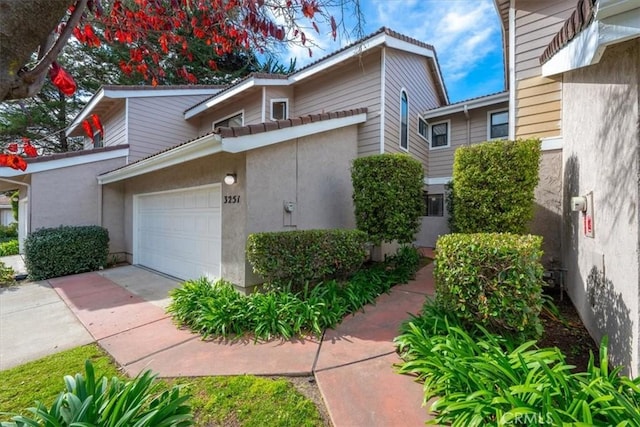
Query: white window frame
(286, 108)
(426, 126)
(489, 113)
(431, 125)
(403, 91)
(213, 125)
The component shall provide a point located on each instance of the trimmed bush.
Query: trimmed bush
(9, 231)
(387, 193)
(6, 275)
(493, 185)
(54, 252)
(492, 279)
(10, 247)
(295, 258)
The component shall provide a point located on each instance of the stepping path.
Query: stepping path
(353, 364)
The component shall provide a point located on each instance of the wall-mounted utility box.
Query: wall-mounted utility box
(579, 204)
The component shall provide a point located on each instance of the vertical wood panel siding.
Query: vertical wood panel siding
(158, 123)
(250, 102)
(411, 72)
(538, 99)
(352, 85)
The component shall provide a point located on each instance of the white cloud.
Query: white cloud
(465, 33)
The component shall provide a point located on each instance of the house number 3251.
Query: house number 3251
(232, 199)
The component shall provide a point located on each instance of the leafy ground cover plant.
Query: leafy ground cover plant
(484, 379)
(6, 275)
(217, 309)
(237, 400)
(91, 400)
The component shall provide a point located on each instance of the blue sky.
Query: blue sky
(465, 33)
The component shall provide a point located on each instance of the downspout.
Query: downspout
(465, 109)
(29, 201)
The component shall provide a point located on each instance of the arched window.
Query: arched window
(404, 120)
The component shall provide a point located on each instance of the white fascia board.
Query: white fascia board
(438, 181)
(65, 162)
(485, 101)
(588, 46)
(241, 87)
(239, 144)
(606, 8)
(202, 147)
(85, 111)
(551, 143)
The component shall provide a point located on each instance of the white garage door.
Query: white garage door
(179, 232)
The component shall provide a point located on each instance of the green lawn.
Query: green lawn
(237, 401)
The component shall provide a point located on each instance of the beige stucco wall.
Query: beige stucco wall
(70, 196)
(547, 214)
(208, 170)
(601, 142)
(313, 173)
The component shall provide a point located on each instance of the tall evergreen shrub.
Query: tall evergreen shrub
(493, 186)
(387, 194)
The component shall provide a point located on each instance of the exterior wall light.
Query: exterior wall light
(230, 179)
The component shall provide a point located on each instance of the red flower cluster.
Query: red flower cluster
(13, 159)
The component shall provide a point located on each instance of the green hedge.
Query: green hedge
(9, 231)
(53, 252)
(10, 247)
(388, 196)
(493, 186)
(492, 279)
(297, 257)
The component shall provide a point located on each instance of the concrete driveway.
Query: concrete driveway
(35, 321)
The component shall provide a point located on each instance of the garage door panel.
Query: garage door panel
(179, 232)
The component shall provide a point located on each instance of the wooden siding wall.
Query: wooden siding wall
(353, 85)
(538, 99)
(158, 123)
(114, 124)
(251, 103)
(440, 163)
(408, 71)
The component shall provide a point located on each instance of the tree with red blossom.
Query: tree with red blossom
(34, 32)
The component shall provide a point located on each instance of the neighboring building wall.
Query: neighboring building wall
(600, 127)
(314, 173)
(346, 86)
(538, 99)
(250, 103)
(463, 132)
(68, 196)
(410, 72)
(156, 123)
(208, 170)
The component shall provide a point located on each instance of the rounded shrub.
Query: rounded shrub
(387, 194)
(492, 279)
(54, 252)
(493, 186)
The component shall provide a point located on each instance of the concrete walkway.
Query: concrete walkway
(353, 364)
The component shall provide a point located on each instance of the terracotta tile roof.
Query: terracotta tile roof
(68, 154)
(230, 132)
(580, 19)
(257, 128)
(160, 87)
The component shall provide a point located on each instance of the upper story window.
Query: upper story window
(440, 135)
(97, 140)
(279, 109)
(423, 128)
(235, 120)
(498, 124)
(404, 120)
